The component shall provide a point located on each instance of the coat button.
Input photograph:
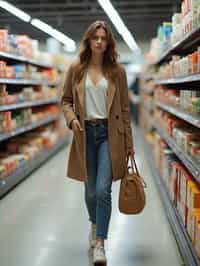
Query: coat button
(117, 117)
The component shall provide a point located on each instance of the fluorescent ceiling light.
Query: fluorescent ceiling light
(15, 11)
(68, 42)
(119, 24)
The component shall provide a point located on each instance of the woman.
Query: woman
(96, 107)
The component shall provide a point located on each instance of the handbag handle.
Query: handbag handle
(134, 167)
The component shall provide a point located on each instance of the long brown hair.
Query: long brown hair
(110, 64)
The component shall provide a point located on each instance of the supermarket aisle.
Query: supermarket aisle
(44, 222)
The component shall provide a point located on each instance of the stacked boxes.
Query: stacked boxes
(180, 66)
(193, 203)
(183, 191)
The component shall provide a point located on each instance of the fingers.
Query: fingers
(76, 126)
(79, 126)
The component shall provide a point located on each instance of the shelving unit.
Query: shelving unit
(191, 82)
(22, 59)
(183, 46)
(193, 120)
(190, 163)
(27, 82)
(27, 128)
(28, 167)
(26, 104)
(185, 245)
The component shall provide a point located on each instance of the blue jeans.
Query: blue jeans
(98, 185)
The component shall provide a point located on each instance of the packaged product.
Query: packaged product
(13, 44)
(2, 69)
(3, 93)
(2, 171)
(174, 182)
(195, 221)
(197, 245)
(10, 72)
(3, 40)
(194, 198)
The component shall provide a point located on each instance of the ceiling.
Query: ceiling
(72, 17)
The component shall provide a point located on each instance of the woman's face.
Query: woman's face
(98, 42)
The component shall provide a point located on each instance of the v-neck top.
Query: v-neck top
(96, 98)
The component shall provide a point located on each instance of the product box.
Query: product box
(190, 184)
(174, 182)
(2, 69)
(156, 150)
(194, 201)
(194, 222)
(197, 244)
(183, 211)
(3, 40)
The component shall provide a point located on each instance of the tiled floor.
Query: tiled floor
(44, 223)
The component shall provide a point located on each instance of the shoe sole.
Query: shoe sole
(100, 263)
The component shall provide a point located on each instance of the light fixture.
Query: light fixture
(15, 11)
(68, 42)
(54, 33)
(119, 24)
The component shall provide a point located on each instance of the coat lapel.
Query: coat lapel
(81, 92)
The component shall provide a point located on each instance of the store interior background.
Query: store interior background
(73, 17)
(40, 223)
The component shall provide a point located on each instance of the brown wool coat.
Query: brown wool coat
(119, 126)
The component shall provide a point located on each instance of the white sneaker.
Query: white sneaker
(92, 236)
(99, 256)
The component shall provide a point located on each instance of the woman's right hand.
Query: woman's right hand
(76, 125)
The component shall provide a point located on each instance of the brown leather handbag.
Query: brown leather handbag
(132, 197)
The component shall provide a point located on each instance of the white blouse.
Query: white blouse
(96, 98)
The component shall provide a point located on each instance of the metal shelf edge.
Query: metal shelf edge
(177, 46)
(27, 104)
(185, 159)
(179, 113)
(27, 128)
(27, 82)
(179, 80)
(24, 60)
(26, 169)
(184, 243)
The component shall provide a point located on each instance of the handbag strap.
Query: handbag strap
(134, 167)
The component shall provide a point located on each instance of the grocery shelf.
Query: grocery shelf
(21, 130)
(188, 82)
(192, 165)
(26, 104)
(22, 59)
(190, 40)
(27, 82)
(194, 120)
(28, 167)
(184, 242)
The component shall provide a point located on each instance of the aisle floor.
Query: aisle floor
(44, 223)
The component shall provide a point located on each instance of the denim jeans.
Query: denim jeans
(99, 183)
